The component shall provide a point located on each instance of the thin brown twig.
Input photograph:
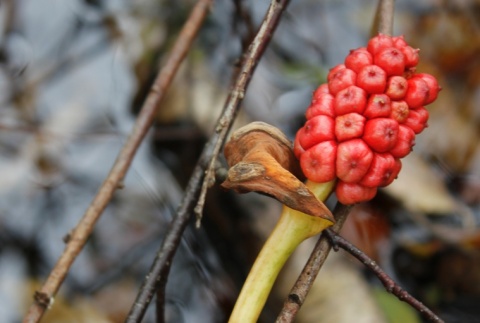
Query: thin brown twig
(158, 274)
(145, 118)
(302, 286)
(243, 16)
(255, 51)
(390, 285)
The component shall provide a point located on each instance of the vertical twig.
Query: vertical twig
(158, 274)
(44, 298)
(390, 285)
(302, 286)
(383, 21)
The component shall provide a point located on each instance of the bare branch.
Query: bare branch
(302, 286)
(390, 285)
(145, 118)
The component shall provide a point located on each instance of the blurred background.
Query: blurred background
(73, 75)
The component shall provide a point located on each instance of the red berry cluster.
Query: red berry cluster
(365, 119)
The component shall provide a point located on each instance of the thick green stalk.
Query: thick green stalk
(292, 228)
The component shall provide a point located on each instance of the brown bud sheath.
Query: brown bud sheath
(261, 160)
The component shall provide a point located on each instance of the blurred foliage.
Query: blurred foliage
(396, 312)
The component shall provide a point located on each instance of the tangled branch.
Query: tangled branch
(204, 171)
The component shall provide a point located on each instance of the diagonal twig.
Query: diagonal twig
(254, 53)
(44, 298)
(158, 274)
(390, 285)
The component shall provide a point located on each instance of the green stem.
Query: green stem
(292, 228)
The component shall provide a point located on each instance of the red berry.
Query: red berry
(417, 92)
(383, 170)
(405, 142)
(351, 193)
(297, 148)
(353, 160)
(417, 119)
(318, 162)
(381, 134)
(409, 73)
(379, 42)
(318, 129)
(334, 70)
(411, 56)
(372, 79)
(396, 87)
(319, 92)
(391, 60)
(378, 105)
(323, 105)
(433, 87)
(358, 58)
(400, 111)
(399, 42)
(349, 126)
(341, 80)
(351, 99)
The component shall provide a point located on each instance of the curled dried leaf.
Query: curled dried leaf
(261, 160)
